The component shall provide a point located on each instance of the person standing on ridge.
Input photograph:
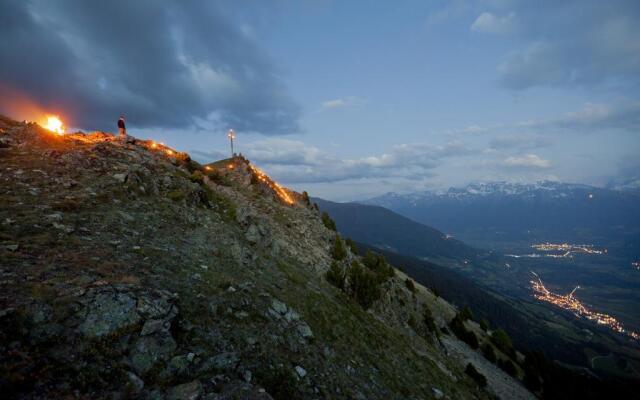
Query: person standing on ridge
(121, 127)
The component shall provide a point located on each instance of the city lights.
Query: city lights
(572, 304)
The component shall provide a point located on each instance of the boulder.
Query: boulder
(109, 312)
(186, 391)
(149, 350)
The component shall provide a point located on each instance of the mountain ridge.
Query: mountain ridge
(129, 270)
(548, 211)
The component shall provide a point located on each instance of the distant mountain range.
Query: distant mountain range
(388, 230)
(501, 211)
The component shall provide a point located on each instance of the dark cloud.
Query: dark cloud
(163, 63)
(570, 43)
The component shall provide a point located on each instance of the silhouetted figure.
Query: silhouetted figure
(122, 130)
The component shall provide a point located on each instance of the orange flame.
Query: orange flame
(54, 124)
(280, 191)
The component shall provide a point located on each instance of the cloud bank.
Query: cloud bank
(574, 43)
(162, 63)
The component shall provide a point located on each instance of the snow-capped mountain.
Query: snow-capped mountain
(486, 189)
(544, 209)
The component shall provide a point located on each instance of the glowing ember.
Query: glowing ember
(280, 191)
(570, 303)
(54, 124)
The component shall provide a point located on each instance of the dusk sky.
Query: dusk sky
(345, 99)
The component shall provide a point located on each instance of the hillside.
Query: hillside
(387, 230)
(572, 348)
(129, 270)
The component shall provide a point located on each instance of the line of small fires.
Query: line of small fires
(55, 125)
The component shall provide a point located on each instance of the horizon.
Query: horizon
(346, 101)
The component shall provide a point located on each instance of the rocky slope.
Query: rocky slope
(129, 271)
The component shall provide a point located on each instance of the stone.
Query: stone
(109, 312)
(149, 350)
(253, 234)
(153, 326)
(220, 362)
(186, 391)
(179, 364)
(300, 371)
(155, 308)
(134, 382)
(291, 315)
(12, 247)
(125, 216)
(278, 306)
(241, 314)
(54, 217)
(7, 311)
(122, 178)
(305, 331)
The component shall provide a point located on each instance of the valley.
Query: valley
(525, 284)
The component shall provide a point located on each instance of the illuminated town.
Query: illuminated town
(570, 303)
(561, 250)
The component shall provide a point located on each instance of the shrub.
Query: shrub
(336, 276)
(484, 324)
(410, 285)
(216, 177)
(508, 366)
(489, 353)
(328, 222)
(365, 287)
(352, 245)
(480, 379)
(429, 322)
(458, 328)
(177, 195)
(414, 324)
(197, 177)
(503, 342)
(377, 264)
(466, 314)
(339, 252)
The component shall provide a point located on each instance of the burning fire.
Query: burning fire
(280, 191)
(54, 124)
